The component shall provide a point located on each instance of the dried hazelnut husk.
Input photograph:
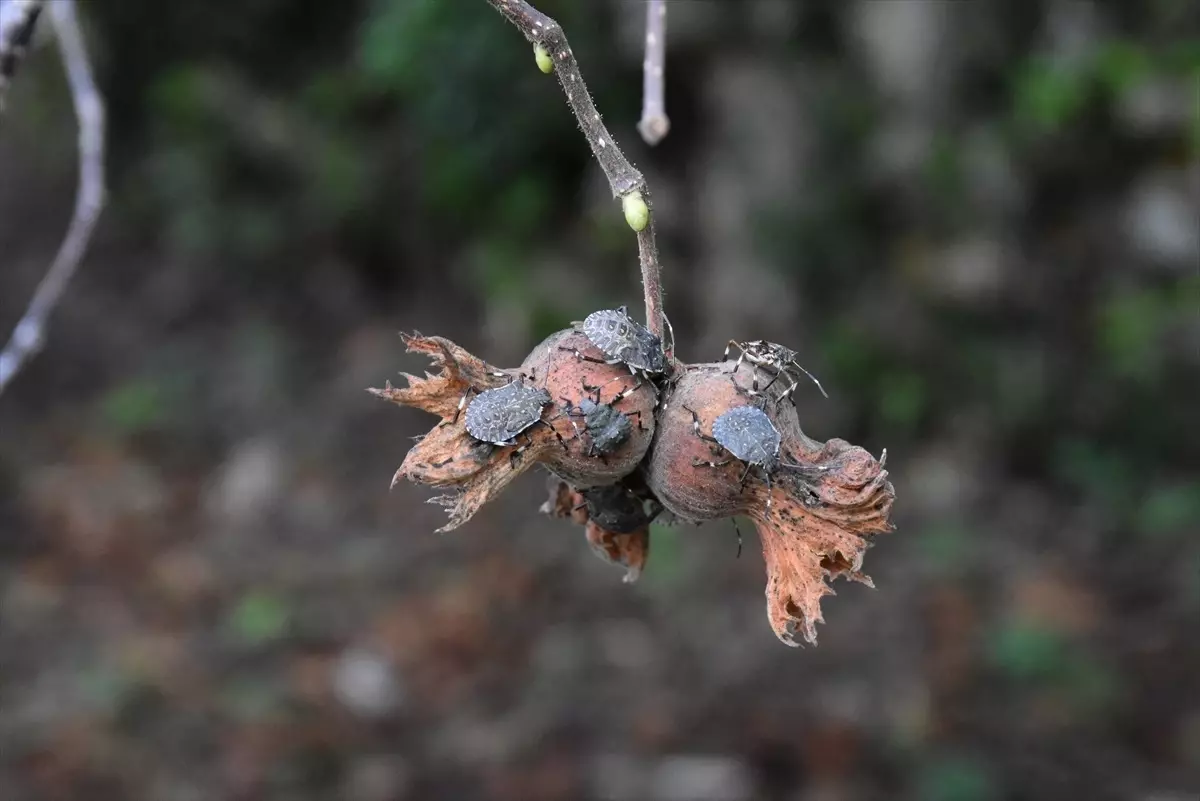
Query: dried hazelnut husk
(821, 514)
(448, 456)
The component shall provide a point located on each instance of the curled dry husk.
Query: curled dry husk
(619, 535)
(476, 472)
(818, 526)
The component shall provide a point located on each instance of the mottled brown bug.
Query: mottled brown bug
(774, 359)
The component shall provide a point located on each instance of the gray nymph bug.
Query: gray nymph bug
(623, 340)
(773, 358)
(606, 426)
(498, 416)
(748, 433)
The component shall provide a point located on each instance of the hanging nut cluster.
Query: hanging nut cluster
(625, 441)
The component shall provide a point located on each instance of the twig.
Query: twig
(654, 124)
(623, 177)
(89, 199)
(18, 18)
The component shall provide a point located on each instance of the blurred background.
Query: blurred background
(976, 222)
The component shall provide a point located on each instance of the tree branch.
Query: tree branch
(627, 183)
(18, 18)
(28, 336)
(654, 124)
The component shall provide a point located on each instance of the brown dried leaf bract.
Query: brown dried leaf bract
(623, 549)
(629, 550)
(448, 456)
(565, 502)
(818, 530)
(440, 394)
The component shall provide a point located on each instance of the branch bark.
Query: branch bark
(654, 124)
(623, 177)
(29, 334)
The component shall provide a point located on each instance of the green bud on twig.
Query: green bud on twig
(544, 62)
(637, 213)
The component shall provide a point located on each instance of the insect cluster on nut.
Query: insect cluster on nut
(603, 411)
(629, 431)
(717, 448)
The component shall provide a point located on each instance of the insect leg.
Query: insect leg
(583, 358)
(462, 402)
(737, 529)
(598, 390)
(670, 353)
(513, 457)
(613, 400)
(557, 435)
(638, 415)
(696, 428)
(800, 367)
(745, 474)
(702, 463)
(787, 393)
(767, 476)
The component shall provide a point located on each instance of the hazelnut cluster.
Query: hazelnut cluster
(624, 444)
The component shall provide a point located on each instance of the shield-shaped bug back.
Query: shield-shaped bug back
(624, 340)
(748, 434)
(498, 416)
(606, 426)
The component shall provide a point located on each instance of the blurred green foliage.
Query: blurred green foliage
(946, 547)
(1049, 95)
(260, 617)
(1034, 655)
(956, 778)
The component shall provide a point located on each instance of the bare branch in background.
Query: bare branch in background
(18, 19)
(28, 336)
(654, 124)
(628, 185)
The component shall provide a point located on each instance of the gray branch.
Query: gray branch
(654, 124)
(623, 177)
(29, 334)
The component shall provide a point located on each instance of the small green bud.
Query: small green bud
(637, 213)
(544, 62)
